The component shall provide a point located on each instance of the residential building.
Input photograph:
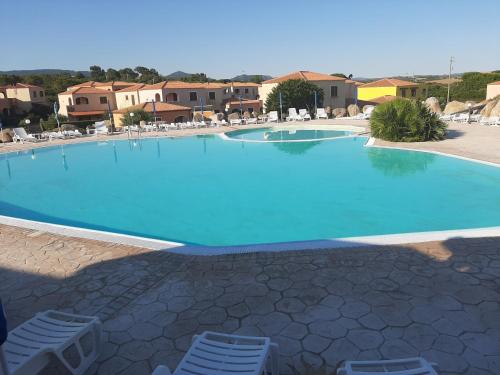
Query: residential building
(493, 90)
(211, 95)
(244, 105)
(338, 92)
(388, 87)
(166, 112)
(90, 101)
(86, 103)
(5, 104)
(23, 96)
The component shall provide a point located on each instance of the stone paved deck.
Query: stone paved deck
(437, 300)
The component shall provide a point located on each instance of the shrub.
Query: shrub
(404, 120)
(295, 93)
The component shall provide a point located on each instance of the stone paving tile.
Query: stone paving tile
(439, 300)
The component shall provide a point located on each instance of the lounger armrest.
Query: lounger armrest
(161, 370)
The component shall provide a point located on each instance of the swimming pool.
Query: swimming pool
(208, 191)
(289, 135)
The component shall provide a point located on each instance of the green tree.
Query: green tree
(403, 120)
(196, 77)
(97, 73)
(139, 115)
(256, 79)
(128, 74)
(295, 93)
(112, 75)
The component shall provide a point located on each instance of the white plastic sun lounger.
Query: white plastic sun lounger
(20, 135)
(304, 114)
(273, 116)
(235, 121)
(251, 120)
(217, 354)
(293, 115)
(73, 339)
(408, 366)
(321, 113)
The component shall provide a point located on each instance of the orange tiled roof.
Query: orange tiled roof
(356, 83)
(389, 82)
(159, 106)
(102, 84)
(306, 75)
(85, 90)
(244, 84)
(135, 87)
(494, 83)
(86, 113)
(21, 86)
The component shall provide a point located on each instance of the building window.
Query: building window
(34, 94)
(333, 91)
(246, 91)
(192, 96)
(403, 93)
(70, 101)
(126, 97)
(133, 100)
(157, 98)
(237, 91)
(414, 92)
(211, 95)
(103, 100)
(81, 100)
(41, 94)
(172, 97)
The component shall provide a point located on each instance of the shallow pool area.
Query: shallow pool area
(204, 190)
(277, 134)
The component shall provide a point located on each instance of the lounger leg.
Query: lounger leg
(275, 355)
(3, 363)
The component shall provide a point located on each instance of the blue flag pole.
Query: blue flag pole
(111, 122)
(202, 111)
(315, 102)
(154, 110)
(281, 105)
(57, 117)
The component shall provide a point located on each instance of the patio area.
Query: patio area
(439, 300)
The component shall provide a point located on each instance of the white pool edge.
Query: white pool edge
(371, 143)
(91, 234)
(180, 248)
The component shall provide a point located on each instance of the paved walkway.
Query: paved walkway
(437, 300)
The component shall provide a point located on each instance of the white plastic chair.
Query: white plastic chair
(321, 113)
(29, 347)
(407, 366)
(217, 354)
(304, 114)
(293, 115)
(273, 116)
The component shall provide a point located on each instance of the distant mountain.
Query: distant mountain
(44, 71)
(248, 77)
(177, 75)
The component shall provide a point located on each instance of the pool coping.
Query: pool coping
(186, 249)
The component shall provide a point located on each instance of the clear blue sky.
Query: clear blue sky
(225, 38)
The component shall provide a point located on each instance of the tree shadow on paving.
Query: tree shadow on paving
(436, 300)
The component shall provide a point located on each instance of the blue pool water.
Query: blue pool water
(205, 190)
(270, 134)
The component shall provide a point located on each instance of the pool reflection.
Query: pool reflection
(398, 163)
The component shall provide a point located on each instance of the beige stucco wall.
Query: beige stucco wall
(94, 102)
(149, 95)
(24, 97)
(264, 91)
(492, 91)
(126, 99)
